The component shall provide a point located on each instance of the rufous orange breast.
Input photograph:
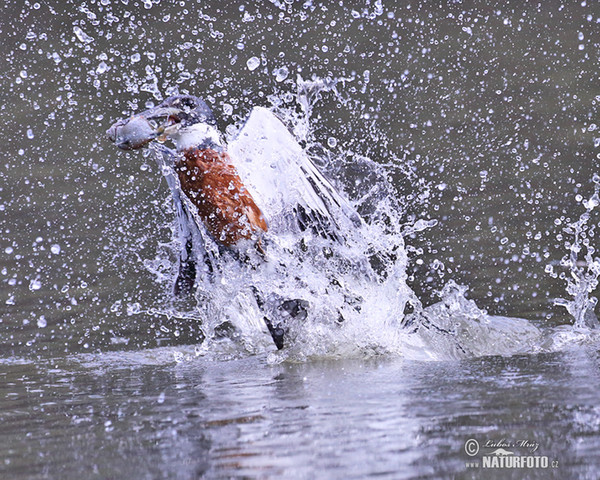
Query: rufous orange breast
(224, 205)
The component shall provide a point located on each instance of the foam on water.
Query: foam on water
(344, 255)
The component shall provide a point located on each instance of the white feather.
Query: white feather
(281, 177)
(194, 135)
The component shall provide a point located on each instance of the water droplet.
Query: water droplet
(161, 398)
(133, 308)
(35, 285)
(29, 133)
(41, 322)
(55, 249)
(101, 68)
(8, 250)
(331, 142)
(82, 36)
(253, 63)
(281, 74)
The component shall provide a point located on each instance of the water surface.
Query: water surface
(141, 415)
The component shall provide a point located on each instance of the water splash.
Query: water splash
(342, 253)
(456, 328)
(584, 273)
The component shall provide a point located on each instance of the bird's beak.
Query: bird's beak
(137, 131)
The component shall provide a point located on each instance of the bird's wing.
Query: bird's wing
(286, 185)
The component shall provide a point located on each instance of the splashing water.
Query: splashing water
(345, 257)
(584, 273)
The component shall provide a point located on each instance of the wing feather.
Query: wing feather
(289, 189)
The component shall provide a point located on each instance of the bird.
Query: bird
(208, 177)
(210, 181)
(271, 186)
(205, 171)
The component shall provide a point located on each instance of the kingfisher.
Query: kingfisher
(208, 184)
(208, 178)
(205, 171)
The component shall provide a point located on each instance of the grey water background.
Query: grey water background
(492, 106)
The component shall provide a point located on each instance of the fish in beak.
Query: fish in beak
(137, 131)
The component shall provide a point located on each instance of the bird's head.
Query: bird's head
(184, 111)
(186, 120)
